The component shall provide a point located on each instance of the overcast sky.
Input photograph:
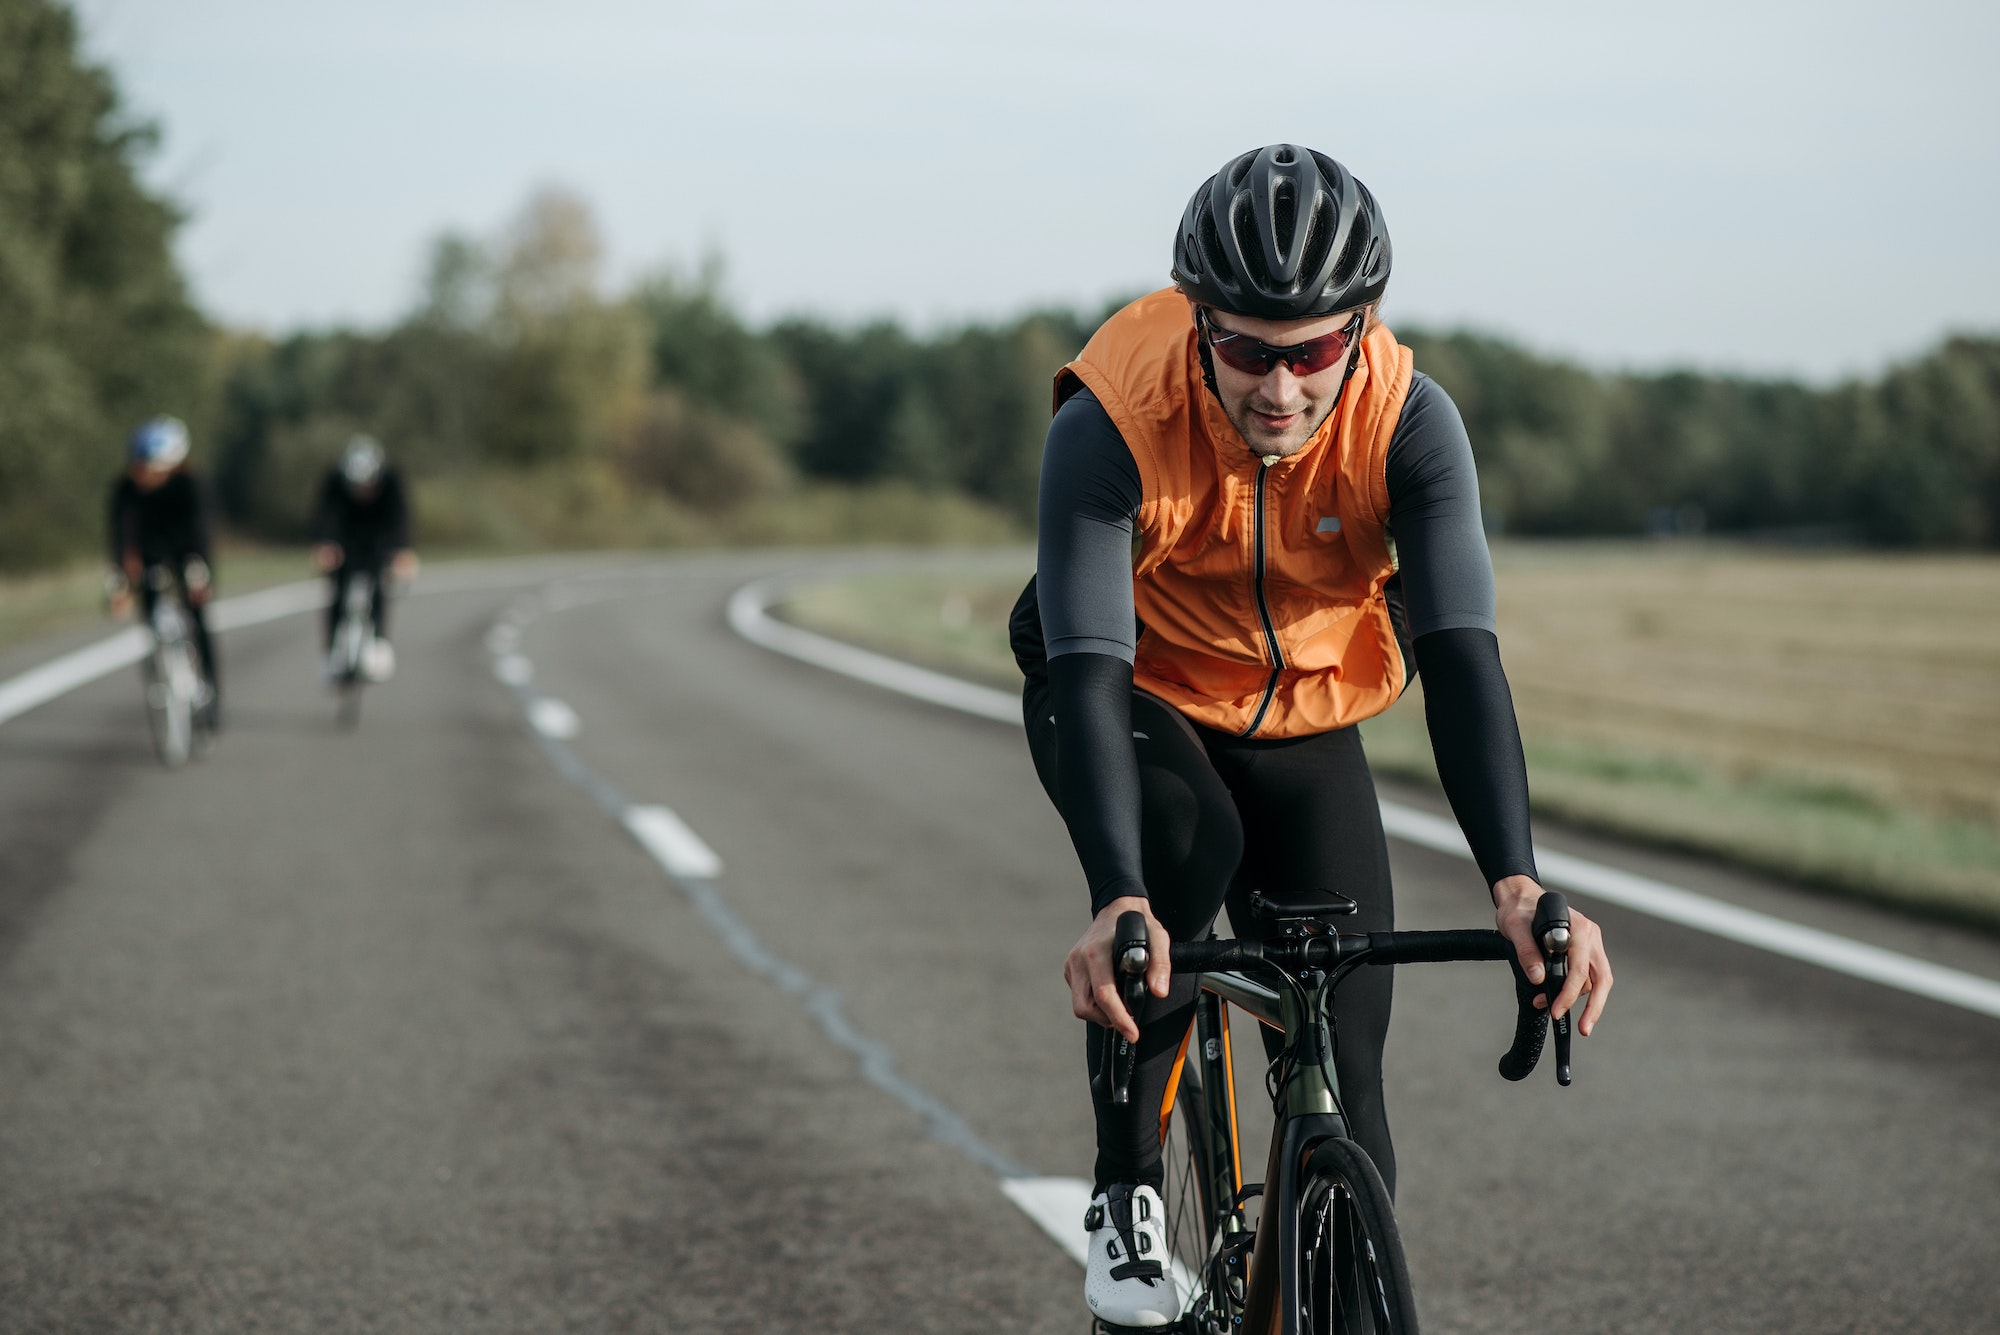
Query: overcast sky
(1775, 187)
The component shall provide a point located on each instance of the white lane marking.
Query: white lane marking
(502, 638)
(1720, 918)
(673, 845)
(1056, 1204)
(250, 609)
(750, 616)
(60, 676)
(552, 718)
(513, 669)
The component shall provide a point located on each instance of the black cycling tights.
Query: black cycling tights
(1221, 816)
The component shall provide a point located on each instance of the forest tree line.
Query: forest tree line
(514, 369)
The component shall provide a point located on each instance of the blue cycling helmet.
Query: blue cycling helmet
(161, 443)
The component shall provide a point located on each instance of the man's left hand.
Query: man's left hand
(1514, 901)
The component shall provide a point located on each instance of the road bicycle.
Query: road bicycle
(1324, 1255)
(353, 643)
(178, 693)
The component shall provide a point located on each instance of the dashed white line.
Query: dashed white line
(1056, 1205)
(552, 718)
(513, 669)
(672, 843)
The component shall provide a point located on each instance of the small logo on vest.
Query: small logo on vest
(1330, 524)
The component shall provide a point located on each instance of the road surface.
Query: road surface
(404, 1029)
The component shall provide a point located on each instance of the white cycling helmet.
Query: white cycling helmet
(362, 462)
(161, 443)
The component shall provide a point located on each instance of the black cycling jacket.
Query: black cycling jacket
(370, 530)
(167, 524)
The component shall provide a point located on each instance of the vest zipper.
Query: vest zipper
(1263, 608)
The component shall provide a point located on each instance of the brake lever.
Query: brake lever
(1551, 930)
(1130, 954)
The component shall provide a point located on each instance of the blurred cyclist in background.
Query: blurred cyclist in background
(159, 521)
(362, 525)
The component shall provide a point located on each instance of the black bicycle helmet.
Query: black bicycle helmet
(1282, 233)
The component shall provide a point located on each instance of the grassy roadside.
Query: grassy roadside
(1834, 720)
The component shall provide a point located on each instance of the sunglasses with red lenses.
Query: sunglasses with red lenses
(1255, 357)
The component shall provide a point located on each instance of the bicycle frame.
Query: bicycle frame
(356, 625)
(1308, 1112)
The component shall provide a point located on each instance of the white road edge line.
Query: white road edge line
(59, 676)
(750, 617)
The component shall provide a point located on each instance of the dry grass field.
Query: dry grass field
(1832, 718)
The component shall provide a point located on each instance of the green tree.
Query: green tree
(98, 331)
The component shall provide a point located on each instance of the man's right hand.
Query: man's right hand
(1093, 982)
(327, 556)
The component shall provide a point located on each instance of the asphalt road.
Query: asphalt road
(402, 1030)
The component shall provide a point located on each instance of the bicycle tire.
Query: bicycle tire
(169, 714)
(1353, 1277)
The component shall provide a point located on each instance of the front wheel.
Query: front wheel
(170, 703)
(1353, 1276)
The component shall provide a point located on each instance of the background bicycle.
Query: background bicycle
(180, 699)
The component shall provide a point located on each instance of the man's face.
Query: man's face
(1278, 413)
(149, 477)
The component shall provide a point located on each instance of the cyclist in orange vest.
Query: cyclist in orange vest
(1258, 522)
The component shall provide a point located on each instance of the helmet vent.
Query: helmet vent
(1285, 214)
(1284, 157)
(1351, 254)
(1216, 261)
(1319, 239)
(1255, 267)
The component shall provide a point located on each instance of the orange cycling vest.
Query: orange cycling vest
(1260, 586)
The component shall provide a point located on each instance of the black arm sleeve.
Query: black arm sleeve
(1097, 771)
(197, 521)
(1090, 493)
(1448, 581)
(1477, 744)
(396, 510)
(326, 511)
(118, 535)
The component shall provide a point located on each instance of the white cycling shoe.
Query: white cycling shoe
(1129, 1280)
(378, 661)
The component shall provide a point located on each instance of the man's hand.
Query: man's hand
(200, 582)
(1514, 902)
(327, 556)
(403, 565)
(1093, 982)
